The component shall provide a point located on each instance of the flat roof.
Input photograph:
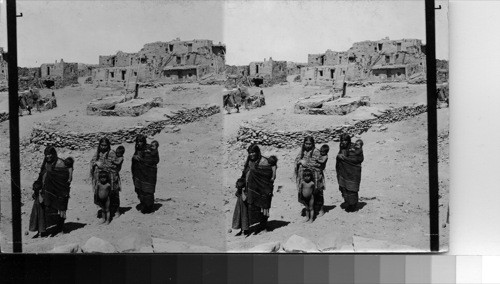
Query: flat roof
(185, 67)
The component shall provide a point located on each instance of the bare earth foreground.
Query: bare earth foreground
(200, 163)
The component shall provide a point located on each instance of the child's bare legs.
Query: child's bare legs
(311, 209)
(308, 215)
(108, 212)
(102, 220)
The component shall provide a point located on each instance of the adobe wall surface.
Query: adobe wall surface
(367, 60)
(315, 59)
(119, 76)
(62, 73)
(157, 56)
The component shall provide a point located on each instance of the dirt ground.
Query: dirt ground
(195, 190)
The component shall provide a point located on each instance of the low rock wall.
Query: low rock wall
(281, 139)
(83, 141)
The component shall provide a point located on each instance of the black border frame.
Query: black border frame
(38, 263)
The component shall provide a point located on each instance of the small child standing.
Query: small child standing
(101, 196)
(307, 188)
(120, 151)
(273, 162)
(323, 158)
(68, 162)
(114, 197)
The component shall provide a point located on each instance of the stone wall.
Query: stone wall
(83, 141)
(280, 139)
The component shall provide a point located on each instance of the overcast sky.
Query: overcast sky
(80, 31)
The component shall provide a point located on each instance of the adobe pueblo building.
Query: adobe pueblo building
(267, 72)
(59, 74)
(48, 75)
(378, 61)
(169, 62)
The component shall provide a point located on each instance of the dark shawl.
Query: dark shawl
(259, 184)
(349, 170)
(144, 170)
(56, 186)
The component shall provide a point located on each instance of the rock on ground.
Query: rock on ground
(95, 244)
(299, 244)
(69, 248)
(267, 247)
(334, 241)
(136, 241)
(342, 106)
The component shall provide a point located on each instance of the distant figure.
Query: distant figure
(262, 98)
(36, 98)
(54, 101)
(306, 190)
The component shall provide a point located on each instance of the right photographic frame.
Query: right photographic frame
(327, 131)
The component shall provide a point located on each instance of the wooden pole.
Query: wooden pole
(15, 172)
(432, 124)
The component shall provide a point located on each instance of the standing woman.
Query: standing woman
(255, 195)
(51, 194)
(144, 173)
(308, 159)
(349, 171)
(105, 159)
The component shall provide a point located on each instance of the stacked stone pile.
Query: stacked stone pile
(83, 141)
(256, 134)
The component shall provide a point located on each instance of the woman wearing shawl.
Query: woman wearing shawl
(255, 191)
(144, 173)
(106, 160)
(308, 159)
(348, 168)
(51, 194)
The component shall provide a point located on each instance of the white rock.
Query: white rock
(98, 245)
(299, 244)
(134, 242)
(267, 247)
(69, 248)
(334, 241)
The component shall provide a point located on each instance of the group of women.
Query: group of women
(255, 186)
(52, 188)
